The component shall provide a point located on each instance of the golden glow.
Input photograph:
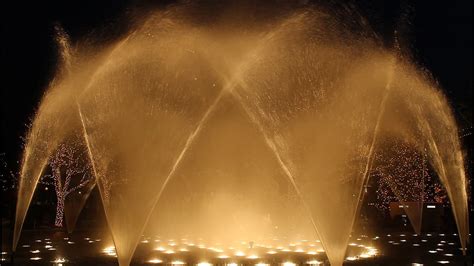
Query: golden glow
(110, 251)
(236, 109)
(59, 260)
(239, 254)
(160, 248)
(218, 250)
(252, 257)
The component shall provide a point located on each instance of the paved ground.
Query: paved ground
(93, 248)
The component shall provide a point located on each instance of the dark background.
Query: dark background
(439, 34)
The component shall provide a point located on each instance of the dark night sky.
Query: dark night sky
(440, 36)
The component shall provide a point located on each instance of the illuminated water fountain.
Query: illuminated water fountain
(245, 124)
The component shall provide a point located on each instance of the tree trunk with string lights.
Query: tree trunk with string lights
(70, 171)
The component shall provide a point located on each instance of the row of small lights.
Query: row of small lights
(288, 263)
(111, 252)
(370, 252)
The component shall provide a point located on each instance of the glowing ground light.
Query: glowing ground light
(252, 257)
(59, 260)
(262, 264)
(178, 262)
(110, 251)
(313, 262)
(155, 261)
(443, 262)
(371, 251)
(288, 263)
(204, 264)
(35, 258)
(239, 254)
(216, 250)
(352, 258)
(35, 251)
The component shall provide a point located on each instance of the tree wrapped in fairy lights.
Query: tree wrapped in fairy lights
(403, 175)
(70, 171)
